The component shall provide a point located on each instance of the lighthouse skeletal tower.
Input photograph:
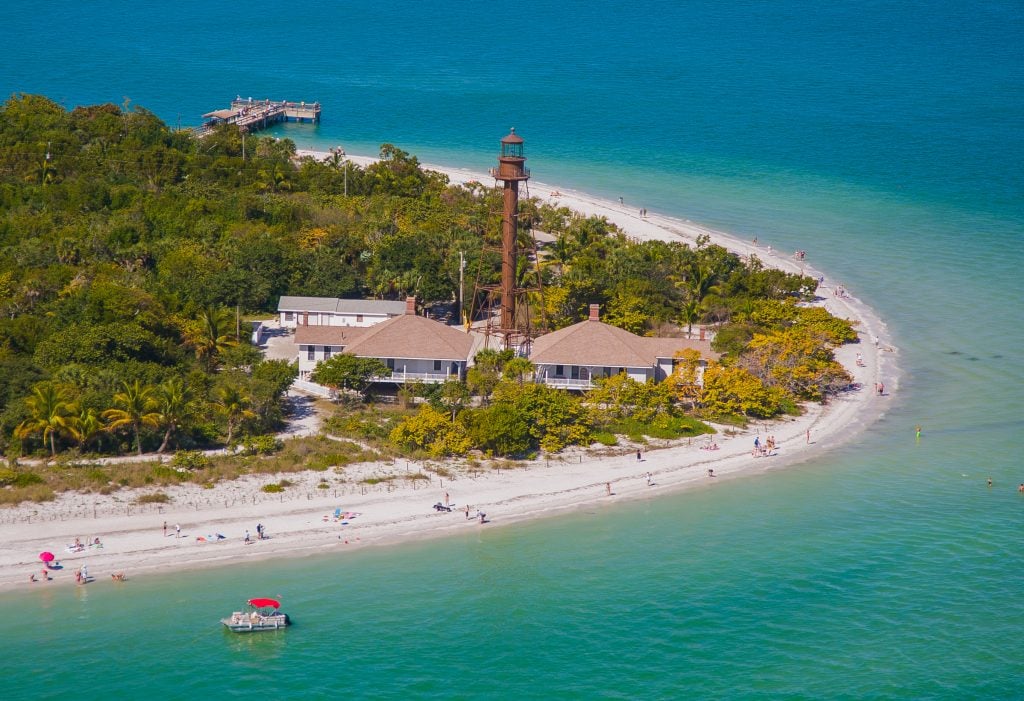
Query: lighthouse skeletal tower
(510, 172)
(505, 306)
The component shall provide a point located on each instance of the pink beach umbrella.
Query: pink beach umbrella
(46, 557)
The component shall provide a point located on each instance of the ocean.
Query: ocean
(883, 138)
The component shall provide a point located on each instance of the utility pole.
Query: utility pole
(462, 270)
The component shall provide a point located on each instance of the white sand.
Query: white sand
(299, 521)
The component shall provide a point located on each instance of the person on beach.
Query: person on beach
(639, 456)
(881, 389)
(32, 575)
(46, 575)
(808, 436)
(917, 433)
(467, 512)
(85, 573)
(247, 538)
(165, 529)
(1021, 488)
(259, 531)
(650, 479)
(757, 446)
(711, 472)
(990, 481)
(177, 530)
(447, 499)
(608, 488)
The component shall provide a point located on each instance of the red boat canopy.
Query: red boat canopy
(260, 603)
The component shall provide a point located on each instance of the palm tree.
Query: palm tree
(213, 335)
(136, 407)
(174, 404)
(51, 407)
(691, 311)
(234, 404)
(519, 369)
(84, 427)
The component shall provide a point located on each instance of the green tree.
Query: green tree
(433, 431)
(233, 404)
(734, 391)
(51, 407)
(500, 429)
(174, 404)
(85, 427)
(134, 406)
(518, 369)
(348, 372)
(556, 418)
(211, 334)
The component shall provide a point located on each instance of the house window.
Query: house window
(559, 371)
(327, 352)
(359, 318)
(607, 372)
(437, 366)
(310, 352)
(390, 362)
(289, 316)
(575, 372)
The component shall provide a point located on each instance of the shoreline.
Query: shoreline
(304, 525)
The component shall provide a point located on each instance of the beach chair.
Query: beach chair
(337, 514)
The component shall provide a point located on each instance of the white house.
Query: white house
(331, 311)
(413, 347)
(572, 357)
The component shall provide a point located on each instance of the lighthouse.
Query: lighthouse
(510, 172)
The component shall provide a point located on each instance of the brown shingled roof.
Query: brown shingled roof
(596, 343)
(410, 336)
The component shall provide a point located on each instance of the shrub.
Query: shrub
(605, 438)
(190, 460)
(28, 479)
(262, 445)
(278, 487)
(155, 498)
(166, 474)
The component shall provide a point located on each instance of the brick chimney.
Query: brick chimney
(595, 312)
(410, 305)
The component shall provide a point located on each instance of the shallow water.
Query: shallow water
(884, 141)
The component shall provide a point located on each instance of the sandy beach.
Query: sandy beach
(302, 521)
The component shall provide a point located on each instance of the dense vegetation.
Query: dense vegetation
(129, 253)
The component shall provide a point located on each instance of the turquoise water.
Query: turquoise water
(885, 140)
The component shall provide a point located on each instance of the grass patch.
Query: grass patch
(605, 438)
(154, 498)
(664, 427)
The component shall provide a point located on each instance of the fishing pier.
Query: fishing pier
(252, 115)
